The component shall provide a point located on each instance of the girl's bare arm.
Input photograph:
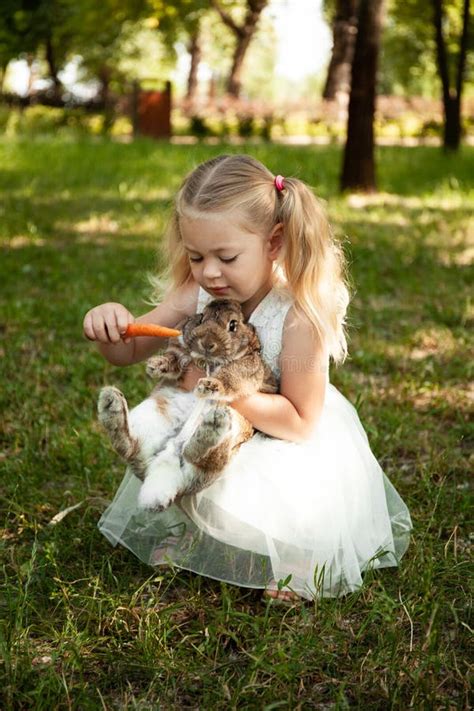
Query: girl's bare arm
(293, 413)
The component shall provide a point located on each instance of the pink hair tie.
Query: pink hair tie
(279, 182)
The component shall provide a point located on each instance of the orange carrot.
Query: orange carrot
(149, 329)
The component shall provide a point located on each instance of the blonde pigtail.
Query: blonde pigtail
(314, 265)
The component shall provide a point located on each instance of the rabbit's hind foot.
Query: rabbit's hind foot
(112, 408)
(113, 415)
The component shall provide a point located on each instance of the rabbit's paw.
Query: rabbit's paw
(161, 485)
(209, 388)
(217, 420)
(112, 408)
(215, 426)
(157, 366)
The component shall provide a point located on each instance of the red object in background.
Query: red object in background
(153, 113)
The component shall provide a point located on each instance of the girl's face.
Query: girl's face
(227, 260)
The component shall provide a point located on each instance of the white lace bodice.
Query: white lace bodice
(268, 318)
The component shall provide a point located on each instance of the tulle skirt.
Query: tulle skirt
(310, 517)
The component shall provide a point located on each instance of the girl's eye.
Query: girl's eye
(233, 325)
(226, 260)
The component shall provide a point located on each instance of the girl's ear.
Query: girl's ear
(275, 241)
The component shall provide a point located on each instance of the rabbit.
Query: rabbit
(177, 442)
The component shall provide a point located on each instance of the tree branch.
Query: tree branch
(226, 18)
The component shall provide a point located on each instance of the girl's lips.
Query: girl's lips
(219, 290)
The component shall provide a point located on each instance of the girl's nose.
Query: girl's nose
(211, 269)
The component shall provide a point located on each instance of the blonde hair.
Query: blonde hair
(311, 260)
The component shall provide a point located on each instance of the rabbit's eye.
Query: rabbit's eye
(233, 325)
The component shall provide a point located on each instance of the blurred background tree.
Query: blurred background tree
(40, 28)
(341, 15)
(451, 67)
(358, 170)
(408, 61)
(102, 35)
(425, 45)
(243, 30)
(230, 47)
(181, 22)
(426, 52)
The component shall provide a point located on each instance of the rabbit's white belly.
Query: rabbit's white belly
(159, 417)
(158, 424)
(180, 404)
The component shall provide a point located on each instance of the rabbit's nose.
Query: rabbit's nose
(207, 345)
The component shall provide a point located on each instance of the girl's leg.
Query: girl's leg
(283, 595)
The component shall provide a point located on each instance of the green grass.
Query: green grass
(85, 626)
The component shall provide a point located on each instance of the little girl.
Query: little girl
(303, 509)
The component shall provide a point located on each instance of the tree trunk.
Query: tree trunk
(344, 34)
(234, 81)
(243, 34)
(3, 71)
(451, 96)
(53, 69)
(358, 171)
(196, 54)
(31, 74)
(452, 124)
(105, 76)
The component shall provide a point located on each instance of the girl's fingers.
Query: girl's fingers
(112, 328)
(87, 327)
(123, 318)
(107, 323)
(100, 329)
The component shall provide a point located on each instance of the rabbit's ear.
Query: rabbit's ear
(181, 324)
(194, 320)
(190, 324)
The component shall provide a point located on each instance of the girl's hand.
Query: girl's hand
(107, 323)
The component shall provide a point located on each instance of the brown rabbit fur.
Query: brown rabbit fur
(220, 342)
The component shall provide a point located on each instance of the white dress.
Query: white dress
(314, 515)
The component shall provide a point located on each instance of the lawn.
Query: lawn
(86, 626)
